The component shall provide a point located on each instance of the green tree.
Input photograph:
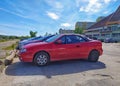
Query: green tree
(100, 18)
(33, 34)
(56, 33)
(46, 34)
(78, 30)
(80, 27)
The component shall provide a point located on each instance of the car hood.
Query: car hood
(27, 42)
(35, 44)
(24, 41)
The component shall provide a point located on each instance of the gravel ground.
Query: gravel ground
(105, 72)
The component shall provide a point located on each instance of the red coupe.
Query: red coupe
(61, 47)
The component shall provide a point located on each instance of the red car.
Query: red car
(61, 47)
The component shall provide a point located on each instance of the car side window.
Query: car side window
(63, 40)
(74, 39)
(80, 39)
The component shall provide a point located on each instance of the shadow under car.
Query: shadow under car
(54, 68)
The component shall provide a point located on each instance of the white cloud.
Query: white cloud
(54, 4)
(53, 15)
(11, 12)
(80, 2)
(107, 1)
(65, 24)
(106, 12)
(93, 6)
(58, 5)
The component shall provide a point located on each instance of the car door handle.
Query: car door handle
(77, 46)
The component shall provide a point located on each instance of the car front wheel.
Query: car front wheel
(93, 56)
(41, 59)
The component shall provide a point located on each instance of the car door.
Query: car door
(60, 49)
(76, 46)
(84, 47)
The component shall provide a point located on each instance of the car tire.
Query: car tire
(93, 56)
(41, 59)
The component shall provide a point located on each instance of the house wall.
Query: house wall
(110, 31)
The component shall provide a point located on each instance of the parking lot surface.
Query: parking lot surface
(105, 72)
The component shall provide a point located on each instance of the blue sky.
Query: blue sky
(18, 17)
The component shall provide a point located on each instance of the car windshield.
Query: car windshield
(45, 38)
(41, 38)
(29, 39)
(37, 38)
(52, 38)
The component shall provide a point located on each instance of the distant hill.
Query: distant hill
(5, 37)
(8, 37)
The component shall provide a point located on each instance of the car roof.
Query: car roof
(72, 34)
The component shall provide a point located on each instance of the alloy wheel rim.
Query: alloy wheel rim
(42, 59)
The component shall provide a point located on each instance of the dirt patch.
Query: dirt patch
(97, 82)
(103, 75)
(118, 61)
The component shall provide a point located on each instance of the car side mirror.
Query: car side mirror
(58, 42)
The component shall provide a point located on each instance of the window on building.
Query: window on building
(96, 35)
(119, 28)
(102, 34)
(107, 35)
(100, 30)
(116, 34)
(109, 28)
(114, 28)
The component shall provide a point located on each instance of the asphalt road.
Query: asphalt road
(105, 72)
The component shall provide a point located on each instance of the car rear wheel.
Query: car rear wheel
(93, 56)
(41, 59)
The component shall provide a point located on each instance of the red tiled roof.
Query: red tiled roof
(116, 15)
(111, 18)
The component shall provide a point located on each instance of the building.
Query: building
(109, 27)
(78, 24)
(62, 31)
(85, 25)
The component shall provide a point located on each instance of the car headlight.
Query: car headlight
(23, 50)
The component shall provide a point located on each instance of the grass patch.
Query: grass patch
(3, 40)
(2, 59)
(11, 47)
